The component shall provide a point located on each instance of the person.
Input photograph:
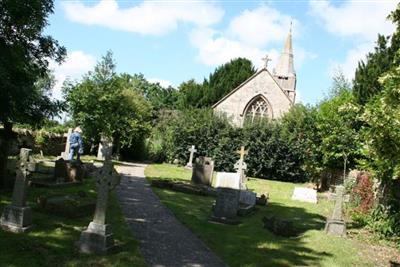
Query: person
(75, 144)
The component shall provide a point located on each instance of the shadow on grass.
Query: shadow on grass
(249, 244)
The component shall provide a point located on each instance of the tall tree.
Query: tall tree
(25, 53)
(366, 83)
(104, 103)
(225, 78)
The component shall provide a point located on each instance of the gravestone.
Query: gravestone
(65, 154)
(336, 225)
(241, 166)
(247, 198)
(203, 171)
(17, 217)
(68, 171)
(227, 180)
(192, 150)
(226, 206)
(98, 238)
(105, 148)
(305, 195)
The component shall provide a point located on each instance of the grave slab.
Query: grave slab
(305, 195)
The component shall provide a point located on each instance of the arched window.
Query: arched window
(257, 109)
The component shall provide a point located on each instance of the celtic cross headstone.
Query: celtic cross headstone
(17, 217)
(98, 238)
(192, 150)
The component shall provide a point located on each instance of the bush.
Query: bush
(363, 194)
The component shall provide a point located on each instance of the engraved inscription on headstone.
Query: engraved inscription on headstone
(98, 238)
(17, 217)
(192, 150)
(336, 225)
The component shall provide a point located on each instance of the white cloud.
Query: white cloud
(161, 82)
(248, 35)
(260, 26)
(349, 65)
(148, 17)
(354, 18)
(75, 65)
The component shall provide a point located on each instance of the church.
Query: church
(263, 94)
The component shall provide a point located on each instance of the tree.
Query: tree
(224, 79)
(366, 83)
(190, 94)
(25, 54)
(108, 105)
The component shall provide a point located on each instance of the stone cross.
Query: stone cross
(240, 165)
(65, 154)
(266, 59)
(97, 238)
(336, 225)
(17, 217)
(106, 181)
(192, 150)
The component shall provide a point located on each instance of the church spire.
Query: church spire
(285, 66)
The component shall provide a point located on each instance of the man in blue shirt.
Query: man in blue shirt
(75, 144)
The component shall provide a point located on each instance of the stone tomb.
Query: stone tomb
(203, 170)
(228, 180)
(305, 195)
(226, 206)
(98, 238)
(17, 217)
(336, 225)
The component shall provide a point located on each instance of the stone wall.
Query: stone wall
(261, 84)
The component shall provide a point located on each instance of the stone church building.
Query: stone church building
(263, 94)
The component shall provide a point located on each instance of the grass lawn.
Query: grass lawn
(51, 242)
(248, 244)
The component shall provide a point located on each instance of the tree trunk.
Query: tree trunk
(5, 140)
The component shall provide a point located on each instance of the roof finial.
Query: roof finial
(266, 59)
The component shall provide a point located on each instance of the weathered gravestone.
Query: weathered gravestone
(336, 225)
(192, 150)
(203, 170)
(305, 195)
(68, 171)
(227, 180)
(65, 154)
(247, 202)
(226, 206)
(98, 238)
(105, 149)
(17, 217)
(241, 166)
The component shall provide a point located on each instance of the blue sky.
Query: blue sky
(173, 41)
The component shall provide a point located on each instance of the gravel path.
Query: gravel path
(164, 241)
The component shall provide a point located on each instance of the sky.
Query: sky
(173, 41)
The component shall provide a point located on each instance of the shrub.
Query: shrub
(363, 194)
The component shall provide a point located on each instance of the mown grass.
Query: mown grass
(51, 241)
(248, 244)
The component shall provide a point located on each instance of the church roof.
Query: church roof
(246, 81)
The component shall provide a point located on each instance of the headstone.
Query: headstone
(98, 238)
(68, 171)
(65, 154)
(17, 217)
(105, 148)
(241, 166)
(192, 150)
(247, 198)
(228, 180)
(226, 206)
(305, 195)
(203, 171)
(336, 225)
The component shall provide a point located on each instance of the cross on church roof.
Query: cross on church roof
(266, 59)
(242, 152)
